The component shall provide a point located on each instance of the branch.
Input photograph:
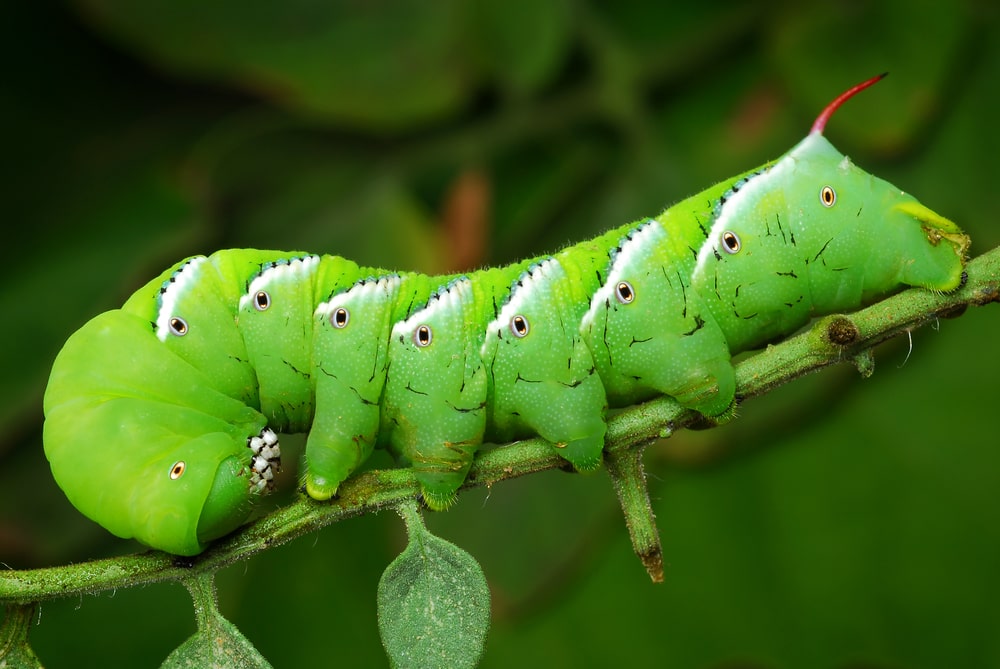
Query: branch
(831, 340)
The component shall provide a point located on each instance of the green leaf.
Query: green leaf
(433, 602)
(381, 66)
(522, 43)
(15, 651)
(217, 643)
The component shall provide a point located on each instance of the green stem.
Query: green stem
(15, 651)
(629, 478)
(831, 340)
(201, 586)
(410, 513)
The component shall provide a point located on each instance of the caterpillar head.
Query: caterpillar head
(932, 248)
(141, 443)
(814, 233)
(861, 227)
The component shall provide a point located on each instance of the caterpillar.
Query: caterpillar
(161, 417)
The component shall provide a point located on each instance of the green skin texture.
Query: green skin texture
(431, 367)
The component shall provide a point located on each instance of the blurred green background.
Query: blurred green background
(838, 523)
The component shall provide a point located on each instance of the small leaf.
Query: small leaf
(217, 644)
(433, 602)
(15, 651)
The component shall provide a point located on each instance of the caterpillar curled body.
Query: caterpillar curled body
(161, 416)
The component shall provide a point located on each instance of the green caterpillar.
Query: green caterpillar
(161, 416)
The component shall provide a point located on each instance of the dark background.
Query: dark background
(838, 522)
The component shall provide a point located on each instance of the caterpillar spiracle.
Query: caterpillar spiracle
(161, 417)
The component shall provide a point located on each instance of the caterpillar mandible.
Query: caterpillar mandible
(161, 417)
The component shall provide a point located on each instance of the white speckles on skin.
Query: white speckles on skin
(185, 277)
(452, 296)
(736, 204)
(363, 292)
(294, 270)
(645, 237)
(522, 294)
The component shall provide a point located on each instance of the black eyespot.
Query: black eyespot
(827, 196)
(261, 301)
(624, 292)
(339, 318)
(422, 336)
(178, 326)
(731, 242)
(519, 326)
(177, 470)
